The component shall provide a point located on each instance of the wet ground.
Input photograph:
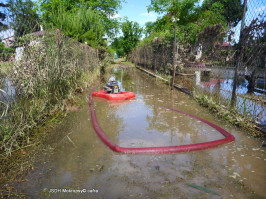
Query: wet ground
(83, 167)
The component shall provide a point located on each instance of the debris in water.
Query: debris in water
(203, 189)
(235, 175)
(255, 149)
(99, 167)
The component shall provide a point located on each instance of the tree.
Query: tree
(83, 25)
(24, 18)
(118, 46)
(185, 11)
(192, 19)
(105, 8)
(3, 17)
(131, 35)
(231, 9)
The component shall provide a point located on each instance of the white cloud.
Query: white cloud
(150, 15)
(260, 9)
(115, 16)
(147, 17)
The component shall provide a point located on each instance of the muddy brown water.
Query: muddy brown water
(83, 167)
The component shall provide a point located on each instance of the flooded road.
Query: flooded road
(83, 167)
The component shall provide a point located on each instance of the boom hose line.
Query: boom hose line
(158, 150)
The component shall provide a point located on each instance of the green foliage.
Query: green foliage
(4, 49)
(184, 10)
(24, 18)
(82, 24)
(192, 19)
(5, 53)
(118, 46)
(131, 35)
(231, 10)
(105, 9)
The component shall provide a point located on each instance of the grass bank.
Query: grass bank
(15, 168)
(47, 77)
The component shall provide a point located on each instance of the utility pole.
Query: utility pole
(174, 56)
(233, 99)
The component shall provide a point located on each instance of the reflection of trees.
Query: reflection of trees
(161, 119)
(108, 119)
(123, 77)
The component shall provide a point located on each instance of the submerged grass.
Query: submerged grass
(227, 113)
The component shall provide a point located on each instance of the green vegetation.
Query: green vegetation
(83, 25)
(105, 9)
(55, 64)
(5, 52)
(24, 17)
(131, 35)
(46, 77)
(231, 10)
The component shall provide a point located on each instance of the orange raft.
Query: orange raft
(110, 96)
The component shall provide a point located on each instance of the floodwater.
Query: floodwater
(83, 167)
(221, 81)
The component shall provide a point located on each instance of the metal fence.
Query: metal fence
(232, 71)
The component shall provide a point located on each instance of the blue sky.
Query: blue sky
(136, 10)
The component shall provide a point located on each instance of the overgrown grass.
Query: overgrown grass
(5, 67)
(48, 74)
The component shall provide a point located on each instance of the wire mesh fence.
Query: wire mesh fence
(45, 72)
(231, 70)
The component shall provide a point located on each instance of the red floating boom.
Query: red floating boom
(159, 150)
(119, 96)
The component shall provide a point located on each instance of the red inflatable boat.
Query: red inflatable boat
(118, 96)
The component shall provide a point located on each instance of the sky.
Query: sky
(136, 10)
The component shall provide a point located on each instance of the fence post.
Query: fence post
(238, 54)
(58, 42)
(86, 56)
(174, 59)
